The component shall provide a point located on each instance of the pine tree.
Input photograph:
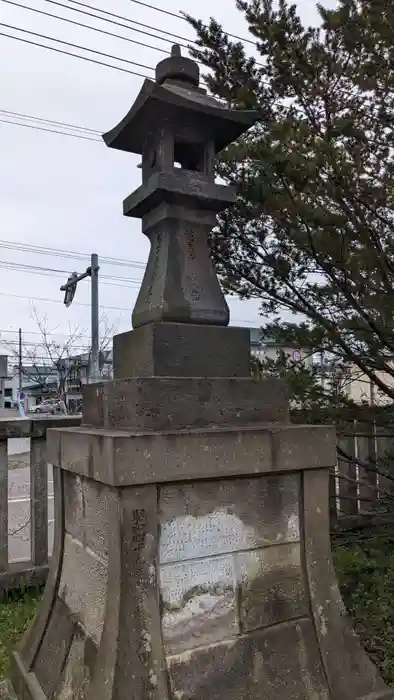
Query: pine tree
(312, 232)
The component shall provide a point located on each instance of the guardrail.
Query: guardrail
(17, 574)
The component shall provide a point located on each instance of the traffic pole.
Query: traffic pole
(69, 288)
(94, 368)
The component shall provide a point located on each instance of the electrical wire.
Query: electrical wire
(50, 131)
(180, 16)
(16, 332)
(88, 26)
(30, 117)
(80, 303)
(128, 19)
(110, 21)
(77, 46)
(62, 253)
(59, 301)
(38, 344)
(50, 272)
(173, 36)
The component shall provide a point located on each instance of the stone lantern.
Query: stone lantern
(173, 121)
(192, 552)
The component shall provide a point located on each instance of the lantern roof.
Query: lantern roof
(176, 98)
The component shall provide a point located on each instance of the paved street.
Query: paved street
(19, 496)
(19, 513)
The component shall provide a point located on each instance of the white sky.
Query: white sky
(65, 192)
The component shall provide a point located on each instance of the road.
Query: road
(19, 513)
(19, 496)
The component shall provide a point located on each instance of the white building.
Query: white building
(264, 348)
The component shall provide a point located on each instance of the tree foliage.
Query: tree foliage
(311, 234)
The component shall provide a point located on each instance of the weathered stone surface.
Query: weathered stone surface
(166, 403)
(180, 284)
(183, 107)
(33, 637)
(198, 602)
(52, 654)
(122, 458)
(200, 587)
(83, 586)
(35, 427)
(350, 672)
(130, 657)
(78, 670)
(271, 586)
(86, 512)
(281, 662)
(217, 517)
(183, 350)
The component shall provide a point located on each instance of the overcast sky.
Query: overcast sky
(62, 192)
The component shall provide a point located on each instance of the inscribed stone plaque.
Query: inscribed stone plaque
(189, 537)
(211, 518)
(208, 531)
(198, 602)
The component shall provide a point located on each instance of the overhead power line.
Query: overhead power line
(76, 46)
(38, 344)
(88, 26)
(174, 37)
(15, 331)
(49, 125)
(51, 272)
(30, 117)
(132, 21)
(110, 21)
(50, 131)
(62, 253)
(180, 16)
(80, 303)
(60, 301)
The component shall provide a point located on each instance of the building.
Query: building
(265, 348)
(68, 376)
(11, 386)
(362, 390)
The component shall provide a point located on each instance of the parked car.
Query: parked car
(49, 407)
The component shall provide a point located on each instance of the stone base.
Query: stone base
(194, 566)
(182, 350)
(184, 403)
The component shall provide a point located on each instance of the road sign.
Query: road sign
(21, 395)
(297, 357)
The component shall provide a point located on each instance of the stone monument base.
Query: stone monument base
(193, 565)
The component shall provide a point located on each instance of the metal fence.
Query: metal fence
(34, 484)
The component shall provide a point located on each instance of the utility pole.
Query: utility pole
(94, 368)
(70, 288)
(20, 367)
